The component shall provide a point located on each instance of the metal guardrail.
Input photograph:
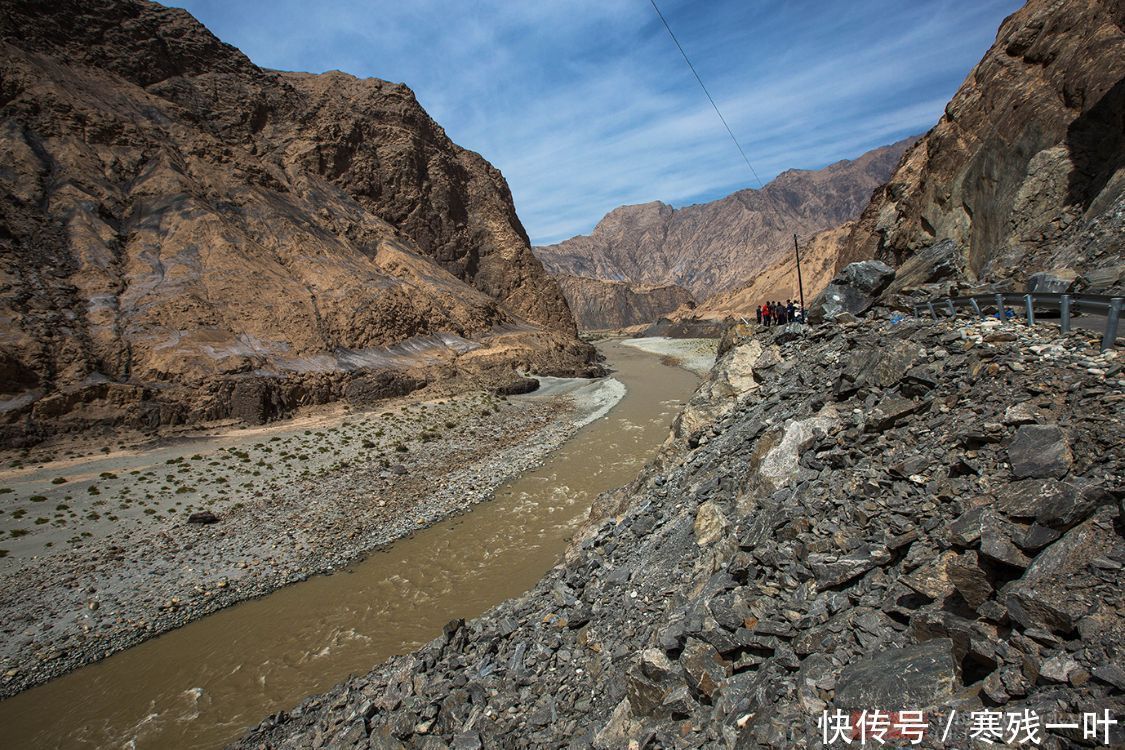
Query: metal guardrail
(1068, 305)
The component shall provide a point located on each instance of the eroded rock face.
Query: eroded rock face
(175, 215)
(600, 305)
(719, 246)
(1023, 173)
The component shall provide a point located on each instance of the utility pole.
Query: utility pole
(800, 283)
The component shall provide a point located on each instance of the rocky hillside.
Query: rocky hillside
(779, 281)
(838, 507)
(601, 305)
(1024, 171)
(187, 236)
(718, 246)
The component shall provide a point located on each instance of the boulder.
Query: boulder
(832, 570)
(883, 365)
(1040, 451)
(203, 517)
(996, 540)
(1049, 596)
(710, 524)
(912, 678)
(969, 579)
(1057, 281)
(891, 409)
(942, 261)
(854, 290)
(1051, 503)
(704, 669)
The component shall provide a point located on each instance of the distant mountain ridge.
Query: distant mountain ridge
(718, 246)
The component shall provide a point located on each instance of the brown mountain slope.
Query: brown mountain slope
(717, 246)
(779, 281)
(601, 305)
(186, 236)
(1025, 169)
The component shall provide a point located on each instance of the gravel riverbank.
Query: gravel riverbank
(118, 562)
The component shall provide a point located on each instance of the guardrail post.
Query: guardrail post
(1000, 306)
(933, 312)
(952, 310)
(1064, 313)
(976, 307)
(1030, 309)
(1111, 318)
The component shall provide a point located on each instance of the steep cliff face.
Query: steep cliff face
(1024, 169)
(176, 218)
(718, 246)
(599, 305)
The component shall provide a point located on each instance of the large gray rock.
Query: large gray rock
(1040, 451)
(704, 669)
(1048, 597)
(942, 261)
(1050, 502)
(854, 290)
(1057, 281)
(914, 678)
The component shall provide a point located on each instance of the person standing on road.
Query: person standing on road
(758, 314)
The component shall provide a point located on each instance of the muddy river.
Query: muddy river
(202, 685)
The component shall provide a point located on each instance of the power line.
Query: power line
(705, 91)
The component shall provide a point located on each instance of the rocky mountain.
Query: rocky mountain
(779, 281)
(600, 305)
(916, 517)
(1024, 171)
(187, 236)
(715, 247)
(878, 514)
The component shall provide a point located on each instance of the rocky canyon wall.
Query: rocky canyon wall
(180, 227)
(1024, 171)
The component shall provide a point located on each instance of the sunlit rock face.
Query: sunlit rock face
(1024, 170)
(176, 216)
(721, 246)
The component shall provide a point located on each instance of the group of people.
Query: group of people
(778, 313)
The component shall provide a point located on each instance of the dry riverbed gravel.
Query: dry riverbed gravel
(100, 555)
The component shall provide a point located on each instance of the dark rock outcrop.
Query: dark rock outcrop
(853, 291)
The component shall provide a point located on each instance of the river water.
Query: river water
(200, 686)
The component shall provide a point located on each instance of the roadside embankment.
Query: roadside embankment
(922, 516)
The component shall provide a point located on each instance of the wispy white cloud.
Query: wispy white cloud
(586, 104)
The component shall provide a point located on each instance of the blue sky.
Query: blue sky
(586, 105)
